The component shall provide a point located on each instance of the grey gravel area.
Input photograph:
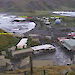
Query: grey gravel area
(62, 56)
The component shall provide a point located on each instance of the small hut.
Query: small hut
(22, 43)
(19, 20)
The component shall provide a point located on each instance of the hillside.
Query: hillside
(30, 5)
(7, 41)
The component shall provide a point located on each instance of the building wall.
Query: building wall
(19, 47)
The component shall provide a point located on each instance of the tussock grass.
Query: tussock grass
(50, 70)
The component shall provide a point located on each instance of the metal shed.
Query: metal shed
(69, 44)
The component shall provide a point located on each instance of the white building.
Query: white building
(22, 43)
(35, 49)
(46, 47)
(19, 19)
(47, 23)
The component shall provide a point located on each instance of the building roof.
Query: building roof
(71, 34)
(2, 63)
(46, 46)
(71, 42)
(68, 43)
(22, 51)
(2, 57)
(25, 61)
(61, 38)
(22, 42)
(19, 19)
(68, 47)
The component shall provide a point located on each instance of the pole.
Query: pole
(31, 65)
(66, 73)
(25, 72)
(44, 72)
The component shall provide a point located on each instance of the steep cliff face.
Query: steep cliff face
(25, 5)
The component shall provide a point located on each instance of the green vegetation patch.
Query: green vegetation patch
(7, 41)
(2, 31)
(32, 13)
(31, 42)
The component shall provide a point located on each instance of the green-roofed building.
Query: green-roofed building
(69, 44)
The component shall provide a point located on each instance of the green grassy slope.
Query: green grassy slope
(7, 41)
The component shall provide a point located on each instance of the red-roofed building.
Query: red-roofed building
(29, 17)
(60, 39)
(72, 34)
